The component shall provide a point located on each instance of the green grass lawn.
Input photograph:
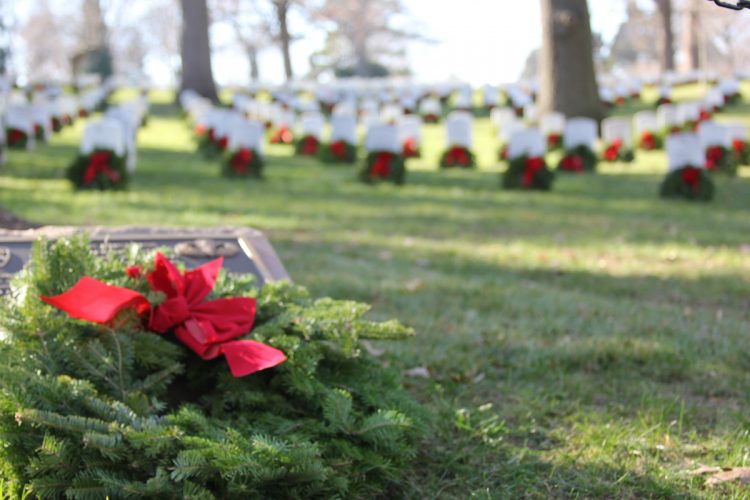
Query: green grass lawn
(588, 342)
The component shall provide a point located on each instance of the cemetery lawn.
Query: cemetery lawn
(588, 342)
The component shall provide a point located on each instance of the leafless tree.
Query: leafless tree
(665, 12)
(253, 28)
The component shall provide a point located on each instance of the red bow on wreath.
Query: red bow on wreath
(309, 145)
(714, 157)
(648, 140)
(99, 164)
(738, 146)
(691, 176)
(209, 328)
(553, 140)
(338, 149)
(381, 167)
(613, 151)
(223, 143)
(457, 155)
(572, 163)
(533, 165)
(241, 160)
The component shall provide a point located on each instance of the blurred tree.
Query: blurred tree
(252, 27)
(665, 12)
(48, 43)
(363, 35)
(635, 47)
(195, 50)
(93, 54)
(281, 8)
(567, 74)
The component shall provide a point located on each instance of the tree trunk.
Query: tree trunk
(665, 12)
(568, 78)
(282, 9)
(362, 67)
(692, 47)
(252, 55)
(195, 50)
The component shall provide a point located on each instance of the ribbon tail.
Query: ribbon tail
(92, 300)
(248, 356)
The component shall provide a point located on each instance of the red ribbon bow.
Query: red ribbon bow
(223, 143)
(533, 165)
(714, 157)
(648, 141)
(207, 327)
(241, 160)
(572, 163)
(738, 146)
(282, 135)
(410, 148)
(338, 149)
(613, 151)
(457, 155)
(309, 145)
(99, 164)
(692, 177)
(553, 140)
(381, 167)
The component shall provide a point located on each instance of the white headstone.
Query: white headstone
(714, 134)
(684, 150)
(430, 106)
(645, 121)
(246, 134)
(458, 130)
(410, 127)
(552, 123)
(382, 137)
(344, 128)
(667, 116)
(528, 142)
(617, 129)
(312, 124)
(104, 134)
(737, 131)
(580, 132)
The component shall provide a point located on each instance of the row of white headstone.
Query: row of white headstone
(27, 116)
(117, 130)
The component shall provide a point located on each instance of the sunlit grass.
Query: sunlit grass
(606, 327)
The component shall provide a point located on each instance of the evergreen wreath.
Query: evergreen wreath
(457, 156)
(383, 166)
(101, 169)
(57, 124)
(554, 141)
(338, 152)
(244, 162)
(616, 151)
(524, 172)
(578, 160)
(741, 151)
(650, 141)
(16, 138)
(721, 159)
(211, 146)
(411, 149)
(39, 132)
(307, 145)
(690, 183)
(431, 118)
(115, 410)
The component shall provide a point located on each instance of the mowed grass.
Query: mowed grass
(588, 342)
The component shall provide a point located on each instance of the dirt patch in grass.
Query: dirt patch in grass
(10, 221)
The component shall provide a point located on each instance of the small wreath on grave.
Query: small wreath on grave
(430, 118)
(16, 138)
(741, 151)
(457, 157)
(101, 169)
(554, 141)
(338, 152)
(616, 151)
(244, 162)
(210, 145)
(307, 145)
(411, 149)
(650, 141)
(579, 160)
(173, 384)
(282, 135)
(56, 123)
(39, 132)
(662, 101)
(721, 159)
(383, 166)
(732, 99)
(691, 183)
(528, 173)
